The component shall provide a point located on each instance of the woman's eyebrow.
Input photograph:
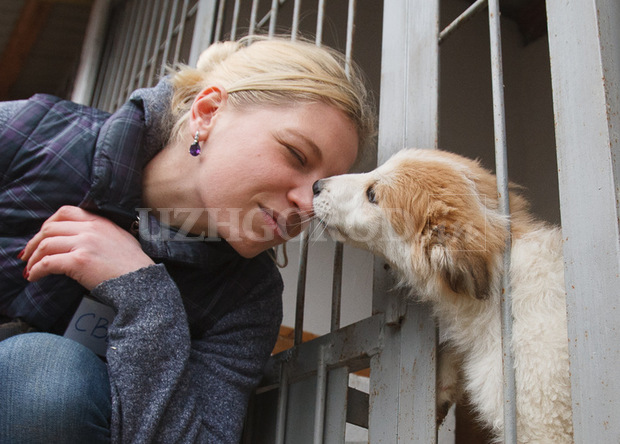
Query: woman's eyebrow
(316, 151)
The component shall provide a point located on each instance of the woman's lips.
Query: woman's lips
(271, 217)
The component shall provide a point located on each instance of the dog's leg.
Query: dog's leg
(449, 384)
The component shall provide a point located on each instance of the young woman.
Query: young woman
(166, 211)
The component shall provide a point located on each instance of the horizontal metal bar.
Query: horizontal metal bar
(352, 345)
(464, 17)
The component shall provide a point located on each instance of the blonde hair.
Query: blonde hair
(276, 71)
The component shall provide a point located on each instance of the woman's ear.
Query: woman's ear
(206, 104)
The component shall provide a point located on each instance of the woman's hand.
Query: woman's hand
(88, 248)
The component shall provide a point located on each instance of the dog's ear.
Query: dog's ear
(469, 276)
(461, 265)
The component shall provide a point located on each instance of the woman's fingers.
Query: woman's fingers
(61, 263)
(83, 246)
(62, 222)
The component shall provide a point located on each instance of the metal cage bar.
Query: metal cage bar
(319, 22)
(92, 53)
(273, 17)
(253, 17)
(461, 19)
(179, 29)
(166, 45)
(350, 31)
(121, 55)
(501, 167)
(235, 20)
(139, 47)
(202, 38)
(148, 44)
(219, 23)
(337, 287)
(157, 44)
(295, 25)
(321, 395)
(301, 287)
(128, 56)
(408, 117)
(584, 49)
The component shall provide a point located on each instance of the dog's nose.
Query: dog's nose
(316, 187)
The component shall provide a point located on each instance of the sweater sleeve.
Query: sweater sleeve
(167, 388)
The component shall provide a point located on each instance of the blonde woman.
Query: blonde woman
(166, 211)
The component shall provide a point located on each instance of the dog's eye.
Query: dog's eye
(370, 194)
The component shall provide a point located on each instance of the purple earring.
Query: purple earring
(194, 149)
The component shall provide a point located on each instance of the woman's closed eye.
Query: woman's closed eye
(296, 154)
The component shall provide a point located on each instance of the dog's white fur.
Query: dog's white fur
(434, 217)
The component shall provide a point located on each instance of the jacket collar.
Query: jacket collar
(128, 140)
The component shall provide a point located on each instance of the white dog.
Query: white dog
(434, 217)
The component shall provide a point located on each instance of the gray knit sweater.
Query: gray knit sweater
(192, 334)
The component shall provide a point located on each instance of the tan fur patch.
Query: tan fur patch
(448, 216)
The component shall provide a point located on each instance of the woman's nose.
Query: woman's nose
(301, 197)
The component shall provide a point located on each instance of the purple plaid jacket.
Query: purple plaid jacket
(53, 153)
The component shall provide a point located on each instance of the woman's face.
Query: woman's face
(258, 165)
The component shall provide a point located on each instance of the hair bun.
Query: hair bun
(216, 54)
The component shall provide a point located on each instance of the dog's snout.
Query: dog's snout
(316, 187)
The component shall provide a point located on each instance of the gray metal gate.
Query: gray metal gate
(306, 395)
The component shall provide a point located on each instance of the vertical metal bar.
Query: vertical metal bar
(115, 53)
(149, 43)
(319, 405)
(180, 31)
(92, 49)
(337, 287)
(501, 165)
(157, 44)
(350, 31)
(205, 18)
(296, 13)
(402, 393)
(113, 73)
(171, 21)
(116, 91)
(104, 71)
(253, 15)
(273, 17)
(584, 47)
(235, 21)
(320, 18)
(301, 287)
(220, 21)
(129, 56)
(282, 405)
(140, 42)
(336, 405)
